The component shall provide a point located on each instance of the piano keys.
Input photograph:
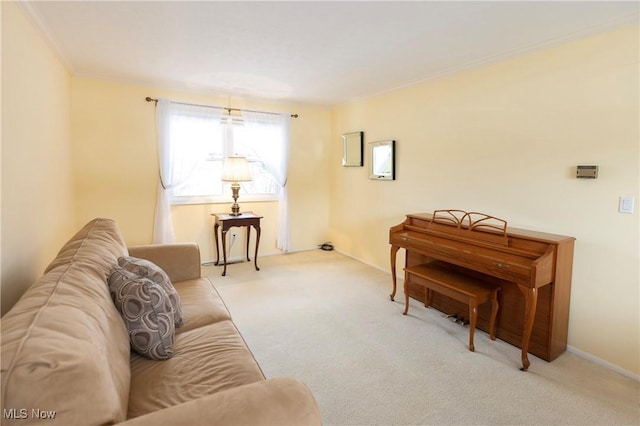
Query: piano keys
(533, 269)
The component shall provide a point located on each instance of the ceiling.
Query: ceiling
(324, 53)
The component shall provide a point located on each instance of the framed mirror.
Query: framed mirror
(352, 149)
(383, 160)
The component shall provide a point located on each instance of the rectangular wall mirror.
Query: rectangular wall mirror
(383, 160)
(352, 149)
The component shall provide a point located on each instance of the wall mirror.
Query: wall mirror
(383, 160)
(352, 149)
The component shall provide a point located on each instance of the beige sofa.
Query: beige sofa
(66, 354)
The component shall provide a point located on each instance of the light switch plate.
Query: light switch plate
(626, 204)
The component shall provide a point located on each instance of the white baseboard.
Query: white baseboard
(238, 259)
(365, 262)
(602, 362)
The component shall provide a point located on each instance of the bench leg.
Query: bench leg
(428, 294)
(473, 318)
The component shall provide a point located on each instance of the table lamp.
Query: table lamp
(235, 169)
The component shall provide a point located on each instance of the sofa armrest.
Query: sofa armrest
(280, 401)
(180, 261)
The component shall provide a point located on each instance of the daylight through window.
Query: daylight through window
(201, 144)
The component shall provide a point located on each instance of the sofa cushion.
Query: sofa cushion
(206, 360)
(64, 345)
(201, 304)
(146, 311)
(278, 401)
(147, 269)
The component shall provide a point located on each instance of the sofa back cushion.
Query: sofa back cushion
(65, 348)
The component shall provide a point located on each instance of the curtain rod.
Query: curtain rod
(150, 99)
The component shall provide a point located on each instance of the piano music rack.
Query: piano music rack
(471, 221)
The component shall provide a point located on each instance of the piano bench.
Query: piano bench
(456, 285)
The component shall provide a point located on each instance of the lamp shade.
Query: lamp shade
(236, 169)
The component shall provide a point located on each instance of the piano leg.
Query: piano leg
(394, 252)
(531, 300)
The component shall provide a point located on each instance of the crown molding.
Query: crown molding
(38, 23)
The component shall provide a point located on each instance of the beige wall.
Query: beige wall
(505, 140)
(37, 193)
(116, 167)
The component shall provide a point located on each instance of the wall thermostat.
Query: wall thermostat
(587, 172)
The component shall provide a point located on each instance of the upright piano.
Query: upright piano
(532, 268)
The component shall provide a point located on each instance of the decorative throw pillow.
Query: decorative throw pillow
(146, 269)
(146, 311)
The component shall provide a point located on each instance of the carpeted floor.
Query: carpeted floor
(327, 319)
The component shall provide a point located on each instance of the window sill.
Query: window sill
(223, 200)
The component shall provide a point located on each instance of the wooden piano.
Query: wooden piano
(532, 268)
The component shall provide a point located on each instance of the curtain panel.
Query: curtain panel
(273, 150)
(176, 165)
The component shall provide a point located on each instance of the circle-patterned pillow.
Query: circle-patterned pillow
(146, 311)
(147, 269)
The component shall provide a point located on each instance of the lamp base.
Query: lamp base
(235, 208)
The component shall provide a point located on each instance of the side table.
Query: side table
(227, 221)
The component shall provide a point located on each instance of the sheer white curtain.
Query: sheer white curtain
(176, 162)
(273, 132)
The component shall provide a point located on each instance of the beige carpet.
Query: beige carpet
(327, 319)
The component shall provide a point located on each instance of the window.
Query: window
(202, 143)
(193, 141)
